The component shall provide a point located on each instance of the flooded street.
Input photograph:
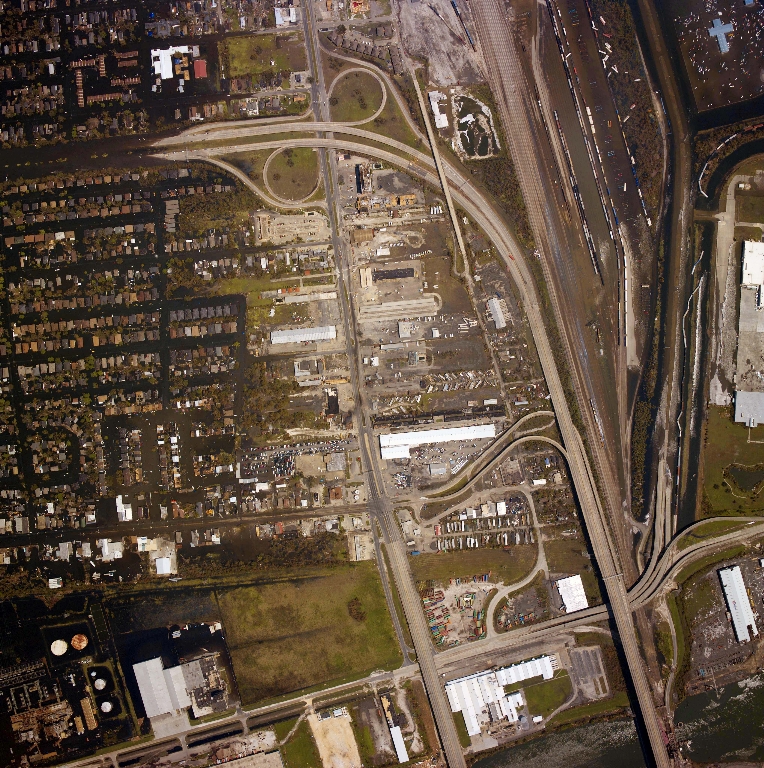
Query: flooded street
(597, 745)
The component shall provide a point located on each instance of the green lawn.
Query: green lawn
(605, 706)
(461, 730)
(289, 635)
(748, 233)
(301, 751)
(391, 123)
(252, 163)
(727, 443)
(566, 556)
(508, 566)
(293, 173)
(283, 727)
(356, 96)
(750, 208)
(545, 696)
(708, 531)
(261, 54)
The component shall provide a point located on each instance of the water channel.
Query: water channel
(723, 726)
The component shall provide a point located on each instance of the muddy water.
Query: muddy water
(597, 745)
(724, 727)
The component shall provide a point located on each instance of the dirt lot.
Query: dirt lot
(438, 36)
(335, 741)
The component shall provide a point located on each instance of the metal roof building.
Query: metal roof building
(749, 408)
(572, 593)
(162, 690)
(497, 314)
(400, 746)
(298, 335)
(396, 446)
(738, 604)
(753, 263)
(481, 698)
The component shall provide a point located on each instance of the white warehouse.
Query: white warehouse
(481, 698)
(299, 335)
(738, 603)
(396, 446)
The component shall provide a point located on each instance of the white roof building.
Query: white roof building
(481, 698)
(441, 119)
(749, 408)
(396, 446)
(753, 263)
(738, 603)
(400, 746)
(497, 313)
(124, 511)
(298, 335)
(162, 690)
(572, 593)
(162, 60)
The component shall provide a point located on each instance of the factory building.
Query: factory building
(497, 313)
(396, 446)
(481, 698)
(162, 690)
(572, 594)
(299, 335)
(738, 603)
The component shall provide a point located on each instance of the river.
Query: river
(723, 727)
(596, 745)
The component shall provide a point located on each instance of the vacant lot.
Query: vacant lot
(293, 173)
(566, 556)
(726, 445)
(750, 208)
(336, 742)
(356, 96)
(300, 633)
(508, 566)
(545, 696)
(301, 751)
(264, 54)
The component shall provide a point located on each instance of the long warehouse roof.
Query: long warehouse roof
(448, 434)
(297, 335)
(738, 603)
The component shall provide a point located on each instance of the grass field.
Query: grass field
(604, 707)
(301, 751)
(750, 208)
(508, 566)
(391, 123)
(461, 730)
(356, 96)
(565, 556)
(727, 444)
(296, 634)
(748, 233)
(252, 163)
(544, 697)
(708, 531)
(293, 173)
(264, 54)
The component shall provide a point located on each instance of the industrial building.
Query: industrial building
(497, 313)
(749, 408)
(299, 335)
(198, 684)
(738, 603)
(397, 446)
(481, 698)
(753, 264)
(572, 594)
(162, 690)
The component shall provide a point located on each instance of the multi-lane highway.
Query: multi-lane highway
(476, 205)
